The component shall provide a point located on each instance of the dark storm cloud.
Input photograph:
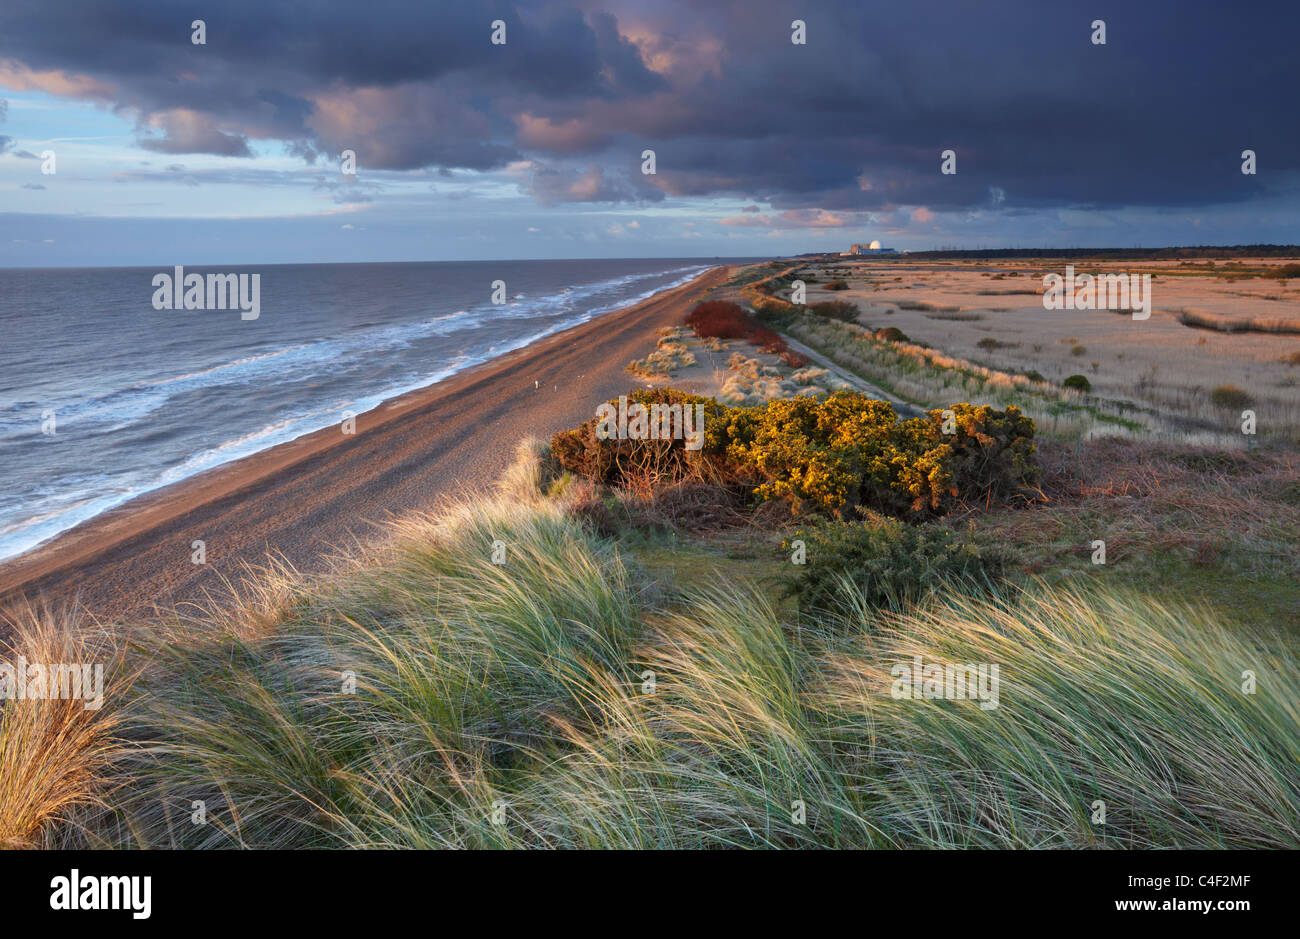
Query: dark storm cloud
(854, 121)
(1158, 116)
(263, 66)
(189, 132)
(550, 185)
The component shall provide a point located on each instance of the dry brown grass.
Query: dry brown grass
(1159, 366)
(1161, 504)
(1251, 324)
(55, 755)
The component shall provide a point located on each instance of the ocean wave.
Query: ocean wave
(22, 529)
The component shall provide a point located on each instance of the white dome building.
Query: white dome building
(873, 248)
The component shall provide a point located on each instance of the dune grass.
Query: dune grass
(1106, 697)
(55, 755)
(432, 697)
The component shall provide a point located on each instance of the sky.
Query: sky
(167, 151)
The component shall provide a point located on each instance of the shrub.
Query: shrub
(849, 450)
(767, 340)
(1078, 350)
(809, 376)
(923, 306)
(1034, 375)
(885, 564)
(1230, 396)
(611, 461)
(773, 306)
(794, 359)
(992, 451)
(892, 334)
(1078, 383)
(836, 309)
(842, 451)
(720, 319)
(988, 342)
(838, 285)
(662, 362)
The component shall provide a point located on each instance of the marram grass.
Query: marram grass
(433, 698)
(1105, 698)
(55, 755)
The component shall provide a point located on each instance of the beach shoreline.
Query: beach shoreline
(303, 500)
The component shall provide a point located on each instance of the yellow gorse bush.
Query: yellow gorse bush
(829, 453)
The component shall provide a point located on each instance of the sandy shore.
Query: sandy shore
(305, 499)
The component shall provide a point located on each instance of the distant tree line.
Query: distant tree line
(1130, 254)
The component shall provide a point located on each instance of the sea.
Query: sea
(104, 398)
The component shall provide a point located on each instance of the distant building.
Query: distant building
(873, 248)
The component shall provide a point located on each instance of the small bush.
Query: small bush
(988, 342)
(992, 451)
(584, 452)
(670, 356)
(838, 285)
(892, 334)
(1078, 350)
(794, 359)
(922, 306)
(886, 563)
(1230, 396)
(767, 340)
(959, 317)
(720, 319)
(1034, 375)
(1078, 383)
(809, 376)
(841, 310)
(773, 306)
